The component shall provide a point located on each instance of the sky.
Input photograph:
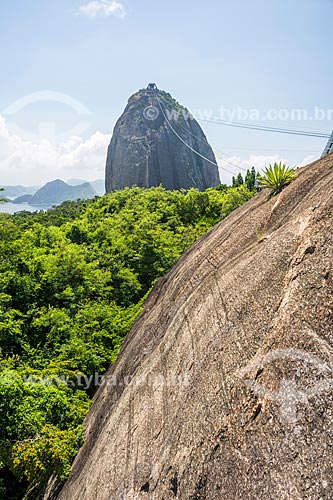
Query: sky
(68, 68)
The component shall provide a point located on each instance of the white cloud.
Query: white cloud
(307, 160)
(104, 8)
(29, 163)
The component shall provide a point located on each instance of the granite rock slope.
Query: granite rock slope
(145, 151)
(223, 388)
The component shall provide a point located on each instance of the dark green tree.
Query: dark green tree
(238, 181)
(250, 179)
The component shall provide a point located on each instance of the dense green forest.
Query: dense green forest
(72, 282)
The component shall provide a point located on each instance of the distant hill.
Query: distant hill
(25, 198)
(98, 185)
(56, 192)
(75, 182)
(15, 191)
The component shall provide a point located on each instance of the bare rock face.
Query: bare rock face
(145, 150)
(223, 388)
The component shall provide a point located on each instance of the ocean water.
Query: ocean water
(11, 208)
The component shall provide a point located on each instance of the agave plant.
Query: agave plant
(276, 177)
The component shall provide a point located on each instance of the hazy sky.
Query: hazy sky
(69, 66)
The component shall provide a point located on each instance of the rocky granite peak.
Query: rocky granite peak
(146, 152)
(223, 387)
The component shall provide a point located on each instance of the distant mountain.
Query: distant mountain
(56, 192)
(76, 182)
(98, 185)
(15, 191)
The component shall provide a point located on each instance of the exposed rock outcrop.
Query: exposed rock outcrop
(223, 388)
(145, 151)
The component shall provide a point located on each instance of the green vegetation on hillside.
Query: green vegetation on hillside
(72, 282)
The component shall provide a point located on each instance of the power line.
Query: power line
(215, 148)
(225, 154)
(265, 129)
(181, 139)
(228, 161)
(255, 127)
(187, 130)
(192, 149)
(275, 150)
